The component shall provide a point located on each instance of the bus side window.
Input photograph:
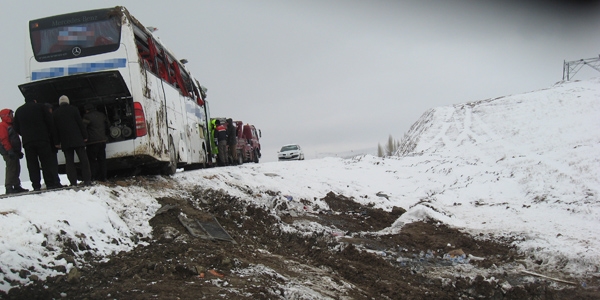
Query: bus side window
(172, 75)
(162, 71)
(146, 59)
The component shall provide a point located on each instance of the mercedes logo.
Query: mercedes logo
(76, 51)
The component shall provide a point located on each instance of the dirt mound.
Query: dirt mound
(289, 253)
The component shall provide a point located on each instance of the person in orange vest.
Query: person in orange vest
(10, 148)
(214, 150)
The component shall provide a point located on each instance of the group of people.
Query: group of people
(41, 131)
(225, 137)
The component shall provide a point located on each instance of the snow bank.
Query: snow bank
(526, 167)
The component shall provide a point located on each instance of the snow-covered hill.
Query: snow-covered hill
(525, 166)
(522, 168)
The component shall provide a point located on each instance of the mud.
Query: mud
(276, 255)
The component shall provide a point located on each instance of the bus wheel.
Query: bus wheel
(255, 156)
(205, 160)
(171, 167)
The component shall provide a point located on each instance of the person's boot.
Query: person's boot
(19, 189)
(9, 190)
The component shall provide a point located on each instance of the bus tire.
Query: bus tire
(205, 160)
(255, 154)
(171, 167)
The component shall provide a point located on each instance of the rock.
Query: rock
(200, 270)
(59, 268)
(24, 273)
(74, 276)
(383, 195)
(169, 233)
(160, 269)
(226, 262)
(455, 253)
(398, 211)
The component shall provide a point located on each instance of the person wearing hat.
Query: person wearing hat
(10, 148)
(34, 123)
(221, 135)
(96, 124)
(72, 136)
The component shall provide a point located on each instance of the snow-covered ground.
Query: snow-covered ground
(523, 168)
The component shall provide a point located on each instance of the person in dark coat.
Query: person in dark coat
(96, 124)
(34, 123)
(221, 135)
(232, 141)
(72, 136)
(10, 148)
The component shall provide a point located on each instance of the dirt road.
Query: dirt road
(293, 250)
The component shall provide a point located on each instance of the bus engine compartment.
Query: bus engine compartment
(105, 90)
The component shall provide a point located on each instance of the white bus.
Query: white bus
(157, 110)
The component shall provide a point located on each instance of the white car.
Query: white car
(291, 152)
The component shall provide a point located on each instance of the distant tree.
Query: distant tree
(390, 147)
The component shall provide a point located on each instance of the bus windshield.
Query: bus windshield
(71, 36)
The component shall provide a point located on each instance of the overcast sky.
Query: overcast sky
(338, 76)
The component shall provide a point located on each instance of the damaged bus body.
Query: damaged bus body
(156, 108)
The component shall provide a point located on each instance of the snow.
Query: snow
(524, 168)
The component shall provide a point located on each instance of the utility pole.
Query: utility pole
(570, 68)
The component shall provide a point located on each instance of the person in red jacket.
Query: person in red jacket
(10, 148)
